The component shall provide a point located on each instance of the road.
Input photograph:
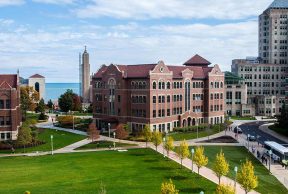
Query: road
(253, 129)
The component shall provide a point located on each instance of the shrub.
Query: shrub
(120, 132)
(42, 117)
(68, 120)
(27, 192)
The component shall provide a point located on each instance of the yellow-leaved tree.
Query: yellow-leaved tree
(224, 189)
(246, 176)
(147, 134)
(168, 188)
(221, 166)
(199, 158)
(183, 151)
(156, 139)
(169, 144)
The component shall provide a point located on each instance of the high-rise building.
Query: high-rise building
(273, 33)
(84, 76)
(160, 95)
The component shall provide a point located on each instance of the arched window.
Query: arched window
(221, 84)
(202, 84)
(37, 87)
(140, 85)
(144, 85)
(133, 85)
(111, 86)
(159, 85)
(212, 84)
(163, 85)
(174, 84)
(136, 85)
(168, 85)
(154, 85)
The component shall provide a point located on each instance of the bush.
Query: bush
(66, 121)
(27, 192)
(190, 128)
(42, 117)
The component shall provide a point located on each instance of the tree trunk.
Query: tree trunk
(219, 179)
(198, 170)
(181, 162)
(156, 147)
(146, 143)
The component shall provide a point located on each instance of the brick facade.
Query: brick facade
(160, 95)
(10, 114)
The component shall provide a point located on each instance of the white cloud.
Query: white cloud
(6, 22)
(11, 2)
(55, 1)
(185, 9)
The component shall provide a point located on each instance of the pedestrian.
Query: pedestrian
(262, 159)
(266, 161)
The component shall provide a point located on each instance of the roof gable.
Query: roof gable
(279, 4)
(5, 85)
(9, 81)
(197, 60)
(37, 76)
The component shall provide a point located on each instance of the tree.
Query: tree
(246, 176)
(199, 158)
(92, 132)
(121, 133)
(168, 188)
(224, 189)
(28, 96)
(66, 101)
(283, 117)
(50, 104)
(40, 106)
(147, 134)
(24, 136)
(183, 151)
(156, 139)
(77, 105)
(221, 166)
(169, 144)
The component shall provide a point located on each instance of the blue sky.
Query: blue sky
(46, 36)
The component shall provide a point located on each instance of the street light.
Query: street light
(51, 137)
(164, 139)
(114, 134)
(192, 151)
(109, 129)
(270, 153)
(235, 170)
(202, 192)
(197, 126)
(73, 122)
(248, 139)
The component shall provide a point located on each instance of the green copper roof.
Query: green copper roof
(231, 78)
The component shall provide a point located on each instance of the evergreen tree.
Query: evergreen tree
(40, 106)
(283, 117)
(221, 166)
(246, 176)
(66, 101)
(50, 104)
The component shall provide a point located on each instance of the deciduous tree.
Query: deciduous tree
(66, 101)
(24, 136)
(168, 188)
(121, 133)
(156, 139)
(246, 176)
(169, 144)
(92, 132)
(199, 158)
(147, 134)
(221, 166)
(224, 189)
(28, 96)
(183, 151)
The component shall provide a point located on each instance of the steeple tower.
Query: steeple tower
(85, 76)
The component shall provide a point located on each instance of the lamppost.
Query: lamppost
(202, 192)
(270, 153)
(73, 121)
(114, 134)
(51, 137)
(197, 126)
(109, 129)
(248, 139)
(164, 140)
(235, 170)
(192, 151)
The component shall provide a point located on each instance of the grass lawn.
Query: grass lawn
(103, 144)
(60, 140)
(135, 171)
(279, 130)
(242, 118)
(192, 135)
(237, 155)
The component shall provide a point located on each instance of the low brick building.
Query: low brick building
(160, 95)
(10, 114)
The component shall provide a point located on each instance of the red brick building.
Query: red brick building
(160, 95)
(10, 114)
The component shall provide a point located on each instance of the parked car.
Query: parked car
(238, 129)
(251, 138)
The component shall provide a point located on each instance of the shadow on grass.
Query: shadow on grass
(177, 177)
(150, 160)
(191, 190)
(160, 168)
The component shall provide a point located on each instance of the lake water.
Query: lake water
(54, 90)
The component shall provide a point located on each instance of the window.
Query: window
(154, 113)
(187, 95)
(154, 99)
(168, 85)
(1, 104)
(8, 135)
(8, 121)
(119, 98)
(168, 112)
(2, 135)
(168, 99)
(2, 121)
(154, 85)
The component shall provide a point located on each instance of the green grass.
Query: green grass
(192, 135)
(242, 118)
(135, 171)
(103, 144)
(236, 155)
(279, 130)
(60, 140)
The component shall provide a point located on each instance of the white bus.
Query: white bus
(279, 152)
